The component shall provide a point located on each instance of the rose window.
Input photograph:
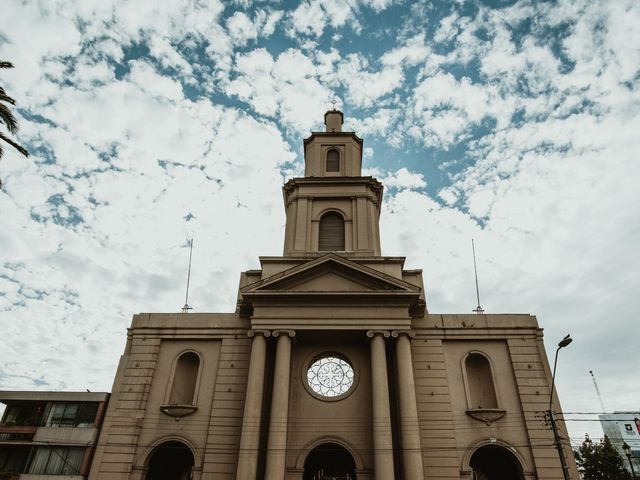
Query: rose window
(330, 376)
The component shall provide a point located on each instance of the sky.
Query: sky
(150, 123)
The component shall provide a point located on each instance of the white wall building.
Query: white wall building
(623, 427)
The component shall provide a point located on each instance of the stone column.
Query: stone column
(278, 423)
(250, 435)
(382, 441)
(409, 426)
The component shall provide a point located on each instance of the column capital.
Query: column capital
(277, 333)
(396, 333)
(252, 333)
(373, 333)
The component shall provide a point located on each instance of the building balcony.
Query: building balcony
(31, 476)
(66, 435)
(9, 476)
(17, 433)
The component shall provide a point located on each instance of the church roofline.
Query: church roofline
(362, 179)
(332, 134)
(403, 286)
(310, 255)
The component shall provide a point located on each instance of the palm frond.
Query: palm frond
(8, 119)
(19, 148)
(6, 98)
(4, 64)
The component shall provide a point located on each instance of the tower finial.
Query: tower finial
(186, 307)
(333, 119)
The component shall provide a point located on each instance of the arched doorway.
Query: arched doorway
(329, 461)
(170, 461)
(493, 462)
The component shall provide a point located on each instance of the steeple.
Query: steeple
(333, 208)
(333, 153)
(333, 120)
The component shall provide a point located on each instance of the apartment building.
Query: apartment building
(49, 433)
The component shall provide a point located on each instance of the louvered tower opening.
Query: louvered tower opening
(331, 233)
(333, 160)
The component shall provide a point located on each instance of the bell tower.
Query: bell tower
(333, 207)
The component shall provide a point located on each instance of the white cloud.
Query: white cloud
(148, 80)
(364, 87)
(404, 179)
(309, 18)
(241, 28)
(270, 22)
(313, 17)
(413, 52)
(168, 56)
(285, 87)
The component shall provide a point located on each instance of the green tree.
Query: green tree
(8, 120)
(600, 461)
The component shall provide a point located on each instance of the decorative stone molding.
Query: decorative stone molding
(396, 333)
(291, 333)
(252, 333)
(178, 411)
(373, 333)
(486, 415)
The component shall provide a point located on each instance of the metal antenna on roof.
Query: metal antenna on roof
(333, 102)
(593, 377)
(478, 309)
(186, 307)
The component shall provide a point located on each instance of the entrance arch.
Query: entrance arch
(329, 461)
(171, 460)
(494, 462)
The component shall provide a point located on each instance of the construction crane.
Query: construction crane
(604, 410)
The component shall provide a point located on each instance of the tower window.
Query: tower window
(333, 160)
(481, 389)
(331, 233)
(185, 379)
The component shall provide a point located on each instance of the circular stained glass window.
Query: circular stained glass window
(330, 376)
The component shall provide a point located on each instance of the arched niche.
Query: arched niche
(170, 460)
(331, 234)
(480, 384)
(185, 379)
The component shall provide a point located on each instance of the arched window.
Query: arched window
(493, 462)
(185, 378)
(480, 386)
(170, 461)
(329, 460)
(331, 233)
(333, 160)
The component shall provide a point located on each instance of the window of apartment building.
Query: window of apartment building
(72, 414)
(56, 461)
(13, 458)
(23, 414)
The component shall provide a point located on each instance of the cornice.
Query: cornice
(332, 134)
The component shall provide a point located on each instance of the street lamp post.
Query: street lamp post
(556, 434)
(627, 452)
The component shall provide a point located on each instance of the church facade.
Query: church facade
(331, 367)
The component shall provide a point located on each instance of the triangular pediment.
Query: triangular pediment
(331, 273)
